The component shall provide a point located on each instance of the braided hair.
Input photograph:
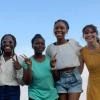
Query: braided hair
(14, 39)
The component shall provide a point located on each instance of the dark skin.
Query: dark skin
(55, 72)
(8, 51)
(60, 30)
(39, 47)
(8, 47)
(27, 77)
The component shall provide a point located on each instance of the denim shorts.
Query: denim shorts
(69, 82)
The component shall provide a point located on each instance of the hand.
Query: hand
(27, 60)
(16, 63)
(53, 61)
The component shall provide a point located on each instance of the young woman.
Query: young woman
(38, 73)
(91, 57)
(69, 85)
(11, 72)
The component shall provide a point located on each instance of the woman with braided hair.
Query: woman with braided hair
(11, 72)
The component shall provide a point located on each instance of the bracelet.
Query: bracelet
(54, 68)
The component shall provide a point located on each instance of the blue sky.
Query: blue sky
(24, 18)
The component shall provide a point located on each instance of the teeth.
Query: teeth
(59, 34)
(90, 38)
(7, 47)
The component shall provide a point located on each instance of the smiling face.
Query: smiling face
(8, 44)
(90, 35)
(60, 29)
(38, 45)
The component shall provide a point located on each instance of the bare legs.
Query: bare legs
(69, 96)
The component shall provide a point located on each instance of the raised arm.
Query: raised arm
(27, 77)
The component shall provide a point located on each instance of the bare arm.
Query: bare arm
(81, 67)
(55, 72)
(27, 73)
(19, 70)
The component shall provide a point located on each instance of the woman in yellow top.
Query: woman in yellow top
(91, 57)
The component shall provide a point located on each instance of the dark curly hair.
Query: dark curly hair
(35, 37)
(64, 21)
(14, 39)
